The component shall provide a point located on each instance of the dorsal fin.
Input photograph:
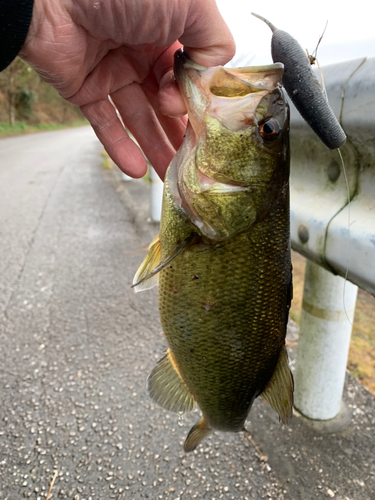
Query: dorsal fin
(166, 387)
(279, 390)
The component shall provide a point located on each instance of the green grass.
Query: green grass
(106, 160)
(147, 177)
(18, 128)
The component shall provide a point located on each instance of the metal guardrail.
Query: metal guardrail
(325, 228)
(336, 234)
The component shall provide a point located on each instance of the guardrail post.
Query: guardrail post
(156, 193)
(326, 323)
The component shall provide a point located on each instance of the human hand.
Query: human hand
(91, 49)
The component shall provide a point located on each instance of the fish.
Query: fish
(222, 257)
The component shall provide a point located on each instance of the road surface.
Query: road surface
(76, 346)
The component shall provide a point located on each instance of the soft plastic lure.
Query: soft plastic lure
(304, 88)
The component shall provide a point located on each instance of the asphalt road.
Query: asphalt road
(76, 346)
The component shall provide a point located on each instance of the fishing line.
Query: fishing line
(262, 457)
(323, 85)
(314, 59)
(347, 269)
(347, 187)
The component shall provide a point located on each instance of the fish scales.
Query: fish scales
(222, 258)
(224, 326)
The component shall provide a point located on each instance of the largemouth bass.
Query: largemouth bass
(222, 258)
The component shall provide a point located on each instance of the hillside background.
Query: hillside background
(26, 102)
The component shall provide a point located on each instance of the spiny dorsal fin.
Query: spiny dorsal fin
(196, 434)
(146, 276)
(279, 390)
(166, 387)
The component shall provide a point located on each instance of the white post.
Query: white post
(126, 177)
(326, 323)
(156, 193)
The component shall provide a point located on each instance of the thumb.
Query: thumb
(169, 97)
(207, 39)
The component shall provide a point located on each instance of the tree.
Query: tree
(13, 83)
(24, 96)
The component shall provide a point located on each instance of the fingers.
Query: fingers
(207, 38)
(107, 126)
(112, 72)
(140, 118)
(126, 75)
(169, 101)
(157, 135)
(173, 127)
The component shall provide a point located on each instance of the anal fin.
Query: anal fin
(166, 387)
(196, 434)
(279, 390)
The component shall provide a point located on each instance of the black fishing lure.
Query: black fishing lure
(304, 88)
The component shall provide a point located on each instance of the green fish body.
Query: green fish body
(222, 258)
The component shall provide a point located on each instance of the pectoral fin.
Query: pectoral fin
(166, 387)
(146, 276)
(196, 434)
(279, 390)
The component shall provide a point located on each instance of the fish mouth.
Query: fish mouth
(227, 153)
(207, 90)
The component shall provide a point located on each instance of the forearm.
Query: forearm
(15, 18)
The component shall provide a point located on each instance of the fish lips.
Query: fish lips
(208, 90)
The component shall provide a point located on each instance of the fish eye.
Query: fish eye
(270, 129)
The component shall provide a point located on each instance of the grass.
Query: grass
(361, 361)
(106, 160)
(147, 178)
(7, 130)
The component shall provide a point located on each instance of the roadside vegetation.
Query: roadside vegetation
(361, 362)
(27, 104)
(18, 128)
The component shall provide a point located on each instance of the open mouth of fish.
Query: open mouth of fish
(240, 101)
(204, 90)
